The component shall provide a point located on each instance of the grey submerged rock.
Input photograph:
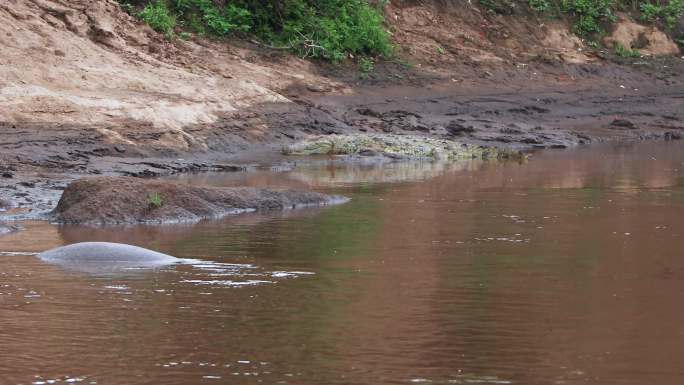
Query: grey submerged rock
(104, 257)
(8, 229)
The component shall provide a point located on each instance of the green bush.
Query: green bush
(540, 5)
(203, 16)
(669, 12)
(336, 29)
(590, 15)
(328, 29)
(649, 11)
(158, 16)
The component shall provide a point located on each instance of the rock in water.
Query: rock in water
(104, 257)
(116, 200)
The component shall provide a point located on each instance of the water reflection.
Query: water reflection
(566, 269)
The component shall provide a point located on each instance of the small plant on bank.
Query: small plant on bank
(366, 65)
(403, 63)
(540, 5)
(595, 44)
(626, 52)
(500, 7)
(155, 200)
(127, 7)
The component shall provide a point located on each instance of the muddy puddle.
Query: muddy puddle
(566, 269)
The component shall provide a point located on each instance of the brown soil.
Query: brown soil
(645, 40)
(116, 200)
(105, 95)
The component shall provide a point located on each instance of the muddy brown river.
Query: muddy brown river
(566, 269)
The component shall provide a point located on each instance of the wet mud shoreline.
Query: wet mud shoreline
(38, 161)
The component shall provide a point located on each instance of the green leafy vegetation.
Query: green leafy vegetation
(366, 65)
(626, 52)
(504, 7)
(669, 12)
(327, 29)
(588, 16)
(540, 5)
(591, 17)
(337, 29)
(155, 200)
(157, 15)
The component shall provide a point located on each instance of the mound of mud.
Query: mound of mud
(119, 200)
(647, 40)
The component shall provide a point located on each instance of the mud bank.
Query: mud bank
(125, 200)
(516, 115)
(121, 100)
(37, 161)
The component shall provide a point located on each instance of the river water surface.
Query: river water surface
(566, 269)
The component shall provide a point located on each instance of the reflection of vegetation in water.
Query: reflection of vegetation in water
(309, 309)
(346, 174)
(309, 236)
(337, 233)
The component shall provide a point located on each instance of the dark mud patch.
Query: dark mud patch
(118, 200)
(556, 116)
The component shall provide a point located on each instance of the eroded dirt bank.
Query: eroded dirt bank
(38, 161)
(106, 95)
